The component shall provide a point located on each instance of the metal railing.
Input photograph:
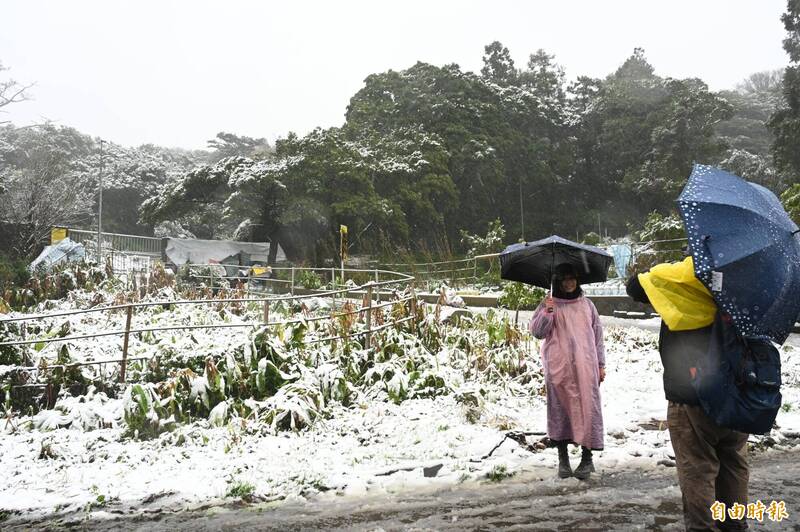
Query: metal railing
(132, 244)
(368, 292)
(454, 272)
(283, 284)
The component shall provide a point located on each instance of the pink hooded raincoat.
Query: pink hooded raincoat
(572, 353)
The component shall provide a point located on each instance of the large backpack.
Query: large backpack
(738, 380)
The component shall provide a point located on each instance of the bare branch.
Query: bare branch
(12, 92)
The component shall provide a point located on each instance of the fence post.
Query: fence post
(369, 316)
(124, 363)
(266, 311)
(475, 268)
(333, 287)
(378, 297)
(292, 286)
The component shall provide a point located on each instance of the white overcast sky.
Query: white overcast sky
(175, 73)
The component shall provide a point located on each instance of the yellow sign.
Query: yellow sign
(57, 234)
(343, 242)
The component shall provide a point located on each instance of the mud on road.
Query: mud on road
(624, 499)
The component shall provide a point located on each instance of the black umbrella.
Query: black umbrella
(534, 262)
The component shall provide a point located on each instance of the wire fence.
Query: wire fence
(452, 272)
(361, 292)
(638, 256)
(350, 299)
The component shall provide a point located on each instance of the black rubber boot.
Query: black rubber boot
(564, 469)
(586, 467)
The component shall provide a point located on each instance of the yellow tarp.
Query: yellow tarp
(676, 294)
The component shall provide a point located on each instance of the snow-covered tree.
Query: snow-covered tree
(791, 202)
(785, 123)
(498, 67)
(11, 92)
(47, 182)
(229, 145)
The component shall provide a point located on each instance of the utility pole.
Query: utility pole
(521, 212)
(100, 208)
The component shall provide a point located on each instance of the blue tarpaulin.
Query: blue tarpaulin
(622, 258)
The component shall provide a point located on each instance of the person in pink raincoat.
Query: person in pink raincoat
(573, 357)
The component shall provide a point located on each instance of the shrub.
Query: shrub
(11, 354)
(659, 228)
(520, 296)
(309, 279)
(13, 272)
(482, 245)
(791, 202)
(591, 238)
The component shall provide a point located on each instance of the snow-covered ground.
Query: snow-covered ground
(372, 447)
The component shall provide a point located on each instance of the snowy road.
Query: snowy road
(534, 500)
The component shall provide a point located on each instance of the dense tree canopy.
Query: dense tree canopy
(785, 123)
(431, 151)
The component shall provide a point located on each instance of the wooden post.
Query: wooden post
(369, 316)
(292, 286)
(378, 297)
(475, 268)
(266, 312)
(124, 363)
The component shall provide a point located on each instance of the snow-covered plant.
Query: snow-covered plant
(281, 375)
(296, 405)
(392, 377)
(144, 414)
(662, 237)
(219, 414)
(90, 411)
(791, 202)
(481, 245)
(11, 354)
(427, 383)
(333, 384)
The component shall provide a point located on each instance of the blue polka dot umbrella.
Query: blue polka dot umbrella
(746, 251)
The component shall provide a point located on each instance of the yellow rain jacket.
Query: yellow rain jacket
(676, 294)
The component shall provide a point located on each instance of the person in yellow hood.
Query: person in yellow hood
(711, 460)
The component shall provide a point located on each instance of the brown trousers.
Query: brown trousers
(712, 466)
